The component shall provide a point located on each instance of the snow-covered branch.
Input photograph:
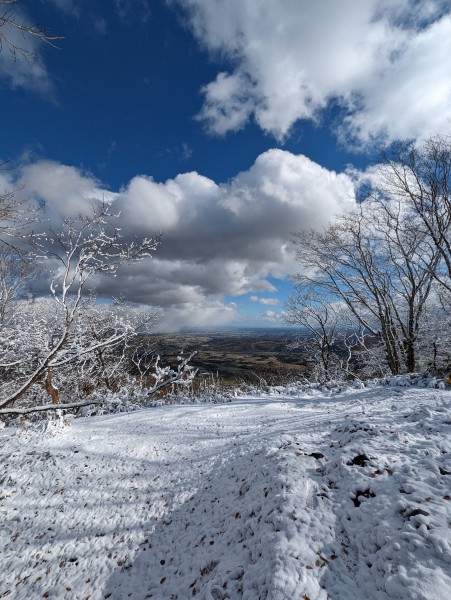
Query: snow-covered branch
(74, 333)
(48, 407)
(183, 375)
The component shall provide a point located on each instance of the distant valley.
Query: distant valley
(250, 354)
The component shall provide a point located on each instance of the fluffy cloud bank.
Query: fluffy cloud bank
(386, 63)
(219, 239)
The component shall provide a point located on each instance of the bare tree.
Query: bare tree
(311, 310)
(18, 216)
(18, 267)
(413, 264)
(17, 272)
(420, 176)
(372, 260)
(12, 23)
(336, 344)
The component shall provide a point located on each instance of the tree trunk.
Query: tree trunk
(51, 390)
(389, 341)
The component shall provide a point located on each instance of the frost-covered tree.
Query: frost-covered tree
(373, 261)
(107, 352)
(435, 343)
(84, 247)
(334, 342)
(419, 175)
(70, 342)
(389, 259)
(320, 319)
(17, 271)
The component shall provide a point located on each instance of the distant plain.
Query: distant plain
(233, 355)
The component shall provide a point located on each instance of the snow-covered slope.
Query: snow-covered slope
(289, 496)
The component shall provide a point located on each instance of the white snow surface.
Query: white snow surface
(338, 494)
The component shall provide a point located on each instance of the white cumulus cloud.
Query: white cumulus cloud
(219, 239)
(265, 301)
(385, 62)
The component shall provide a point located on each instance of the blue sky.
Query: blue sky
(227, 125)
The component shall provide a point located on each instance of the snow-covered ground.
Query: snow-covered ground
(343, 495)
